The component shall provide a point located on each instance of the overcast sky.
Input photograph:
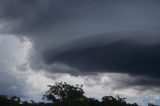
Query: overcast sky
(112, 47)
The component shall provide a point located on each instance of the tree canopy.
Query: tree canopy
(63, 94)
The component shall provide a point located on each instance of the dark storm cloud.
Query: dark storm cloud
(39, 15)
(131, 55)
(84, 27)
(34, 15)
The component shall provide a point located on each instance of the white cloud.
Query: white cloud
(18, 78)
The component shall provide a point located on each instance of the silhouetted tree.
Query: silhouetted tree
(134, 104)
(25, 103)
(65, 94)
(151, 104)
(4, 101)
(112, 101)
(92, 102)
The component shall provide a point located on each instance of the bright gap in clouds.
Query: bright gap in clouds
(18, 78)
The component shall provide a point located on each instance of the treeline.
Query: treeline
(107, 101)
(16, 101)
(63, 94)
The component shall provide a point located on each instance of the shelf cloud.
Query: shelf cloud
(85, 38)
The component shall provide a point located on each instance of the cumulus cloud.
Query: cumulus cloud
(12, 55)
(52, 24)
(13, 79)
(80, 38)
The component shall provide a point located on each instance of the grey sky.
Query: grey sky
(83, 37)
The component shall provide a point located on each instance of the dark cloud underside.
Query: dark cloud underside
(122, 56)
(89, 35)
